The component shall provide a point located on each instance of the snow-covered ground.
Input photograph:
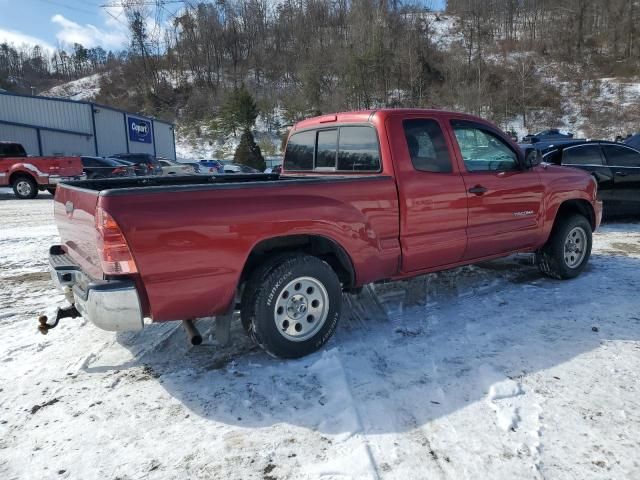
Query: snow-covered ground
(489, 371)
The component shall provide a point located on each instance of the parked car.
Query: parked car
(28, 175)
(373, 195)
(210, 167)
(615, 166)
(236, 168)
(100, 167)
(194, 165)
(175, 168)
(144, 164)
(547, 135)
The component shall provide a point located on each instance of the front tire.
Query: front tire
(568, 249)
(293, 308)
(25, 187)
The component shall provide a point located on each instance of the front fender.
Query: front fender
(563, 184)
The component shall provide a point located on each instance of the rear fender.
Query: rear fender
(30, 169)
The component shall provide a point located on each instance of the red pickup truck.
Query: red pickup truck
(364, 196)
(27, 174)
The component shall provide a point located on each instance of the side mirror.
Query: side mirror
(532, 157)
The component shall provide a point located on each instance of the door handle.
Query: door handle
(478, 190)
(621, 174)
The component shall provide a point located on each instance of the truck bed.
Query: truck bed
(191, 236)
(141, 185)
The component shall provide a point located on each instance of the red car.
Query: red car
(364, 196)
(27, 174)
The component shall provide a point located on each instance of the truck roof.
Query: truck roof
(365, 116)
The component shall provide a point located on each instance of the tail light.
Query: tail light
(113, 250)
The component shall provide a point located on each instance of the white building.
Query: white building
(53, 126)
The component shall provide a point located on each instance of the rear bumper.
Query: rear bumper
(56, 179)
(112, 305)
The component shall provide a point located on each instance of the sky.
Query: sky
(61, 23)
(54, 23)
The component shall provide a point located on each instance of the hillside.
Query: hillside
(483, 61)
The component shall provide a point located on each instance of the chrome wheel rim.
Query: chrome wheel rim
(23, 187)
(575, 247)
(301, 309)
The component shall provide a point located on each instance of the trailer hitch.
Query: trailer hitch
(68, 312)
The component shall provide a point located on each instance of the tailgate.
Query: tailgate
(66, 166)
(74, 211)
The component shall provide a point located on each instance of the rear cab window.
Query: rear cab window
(345, 148)
(12, 150)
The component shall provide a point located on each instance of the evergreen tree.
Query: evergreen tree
(248, 152)
(239, 110)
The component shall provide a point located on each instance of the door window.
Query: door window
(582, 155)
(618, 156)
(484, 151)
(89, 162)
(427, 147)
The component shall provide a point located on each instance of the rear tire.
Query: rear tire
(568, 249)
(25, 187)
(291, 305)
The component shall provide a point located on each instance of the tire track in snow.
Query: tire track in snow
(344, 418)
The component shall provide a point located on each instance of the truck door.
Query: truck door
(505, 211)
(433, 202)
(624, 163)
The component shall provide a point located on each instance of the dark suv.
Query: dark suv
(143, 163)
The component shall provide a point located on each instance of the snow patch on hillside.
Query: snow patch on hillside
(199, 141)
(82, 89)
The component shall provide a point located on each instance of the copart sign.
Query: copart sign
(139, 130)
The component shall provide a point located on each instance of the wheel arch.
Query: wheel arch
(320, 246)
(21, 173)
(579, 206)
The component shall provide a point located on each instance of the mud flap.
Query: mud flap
(223, 328)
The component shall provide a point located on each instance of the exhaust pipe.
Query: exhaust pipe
(192, 332)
